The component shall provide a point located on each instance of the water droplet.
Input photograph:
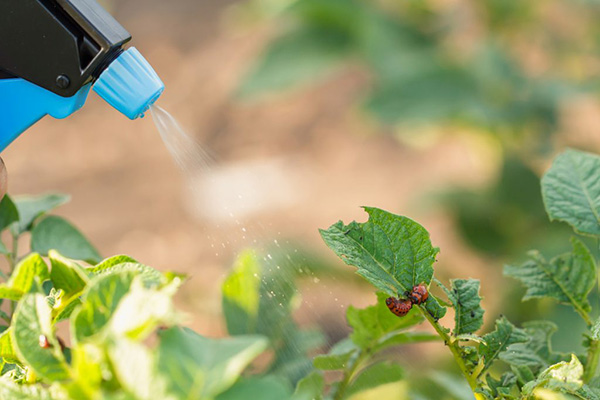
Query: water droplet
(317, 280)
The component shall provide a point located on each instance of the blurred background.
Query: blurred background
(447, 111)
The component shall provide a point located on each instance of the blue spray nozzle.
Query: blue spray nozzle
(129, 84)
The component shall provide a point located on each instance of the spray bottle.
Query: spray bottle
(52, 52)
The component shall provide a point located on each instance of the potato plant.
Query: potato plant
(76, 326)
(103, 329)
(394, 253)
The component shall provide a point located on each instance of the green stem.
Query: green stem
(349, 373)
(452, 344)
(592, 361)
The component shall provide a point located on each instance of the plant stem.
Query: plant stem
(349, 373)
(592, 360)
(452, 344)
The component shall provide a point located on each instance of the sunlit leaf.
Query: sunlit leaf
(7, 351)
(67, 274)
(14, 391)
(140, 311)
(202, 368)
(32, 320)
(29, 271)
(241, 295)
(135, 368)
(99, 302)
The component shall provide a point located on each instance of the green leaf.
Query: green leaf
(32, 207)
(65, 309)
(56, 233)
(201, 368)
(373, 323)
(301, 56)
(497, 341)
(568, 278)
(29, 271)
(32, 319)
(6, 292)
(135, 369)
(67, 275)
(88, 362)
(571, 191)
(375, 375)
(99, 302)
(502, 385)
(14, 391)
(8, 212)
(241, 295)
(7, 351)
(434, 308)
(468, 316)
(149, 275)
(392, 252)
(397, 338)
(263, 388)
(536, 353)
(338, 356)
(564, 376)
(142, 310)
(457, 388)
(112, 261)
(310, 387)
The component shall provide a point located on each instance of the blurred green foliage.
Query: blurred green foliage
(439, 62)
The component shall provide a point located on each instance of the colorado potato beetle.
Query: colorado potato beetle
(419, 294)
(397, 306)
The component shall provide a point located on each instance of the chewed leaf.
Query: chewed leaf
(571, 191)
(434, 308)
(392, 252)
(568, 278)
(465, 297)
(497, 341)
(536, 353)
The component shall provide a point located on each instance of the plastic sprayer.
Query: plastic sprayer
(52, 52)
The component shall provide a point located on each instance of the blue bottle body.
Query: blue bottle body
(22, 104)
